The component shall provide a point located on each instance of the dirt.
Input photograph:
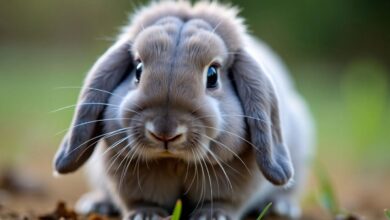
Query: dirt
(31, 192)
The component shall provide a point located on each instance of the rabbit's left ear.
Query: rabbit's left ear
(260, 104)
(78, 145)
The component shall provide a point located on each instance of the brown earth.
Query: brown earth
(364, 194)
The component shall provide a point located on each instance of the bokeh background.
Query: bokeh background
(338, 51)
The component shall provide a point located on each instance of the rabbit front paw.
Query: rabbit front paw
(95, 202)
(211, 214)
(286, 207)
(146, 213)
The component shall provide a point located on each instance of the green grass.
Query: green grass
(326, 192)
(387, 213)
(327, 197)
(264, 211)
(177, 210)
(178, 207)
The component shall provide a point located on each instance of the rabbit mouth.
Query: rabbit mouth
(189, 150)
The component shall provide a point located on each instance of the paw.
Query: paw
(96, 203)
(147, 213)
(210, 214)
(286, 208)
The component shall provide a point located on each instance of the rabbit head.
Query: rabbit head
(184, 87)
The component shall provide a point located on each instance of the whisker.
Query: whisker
(111, 147)
(95, 89)
(193, 178)
(231, 151)
(90, 88)
(212, 166)
(196, 109)
(89, 122)
(238, 136)
(211, 187)
(92, 103)
(237, 115)
(115, 157)
(127, 163)
(220, 165)
(112, 133)
(203, 191)
(126, 146)
(138, 168)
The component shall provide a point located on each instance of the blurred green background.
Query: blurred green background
(337, 50)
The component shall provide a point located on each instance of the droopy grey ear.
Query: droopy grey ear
(260, 105)
(78, 145)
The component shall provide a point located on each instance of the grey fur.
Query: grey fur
(230, 153)
(76, 147)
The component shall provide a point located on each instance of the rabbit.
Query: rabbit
(187, 105)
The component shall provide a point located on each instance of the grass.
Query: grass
(387, 213)
(264, 211)
(326, 192)
(178, 207)
(177, 211)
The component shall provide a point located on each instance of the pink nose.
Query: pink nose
(164, 137)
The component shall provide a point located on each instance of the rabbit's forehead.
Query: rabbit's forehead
(171, 40)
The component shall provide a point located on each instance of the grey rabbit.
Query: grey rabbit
(186, 104)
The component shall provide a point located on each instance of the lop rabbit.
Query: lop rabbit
(186, 104)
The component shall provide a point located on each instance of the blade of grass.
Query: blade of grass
(177, 210)
(387, 213)
(265, 210)
(327, 197)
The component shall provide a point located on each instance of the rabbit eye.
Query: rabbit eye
(138, 71)
(212, 77)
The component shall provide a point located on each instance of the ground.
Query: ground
(362, 194)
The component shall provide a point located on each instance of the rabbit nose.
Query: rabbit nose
(165, 135)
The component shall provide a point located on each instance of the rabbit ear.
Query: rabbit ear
(105, 75)
(260, 105)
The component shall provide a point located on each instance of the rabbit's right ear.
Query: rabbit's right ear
(78, 145)
(260, 104)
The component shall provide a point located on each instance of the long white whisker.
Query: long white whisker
(193, 178)
(92, 103)
(127, 163)
(138, 168)
(236, 115)
(238, 136)
(231, 151)
(89, 122)
(111, 147)
(90, 88)
(108, 134)
(211, 187)
(115, 157)
(220, 165)
(188, 166)
(127, 145)
(212, 167)
(203, 191)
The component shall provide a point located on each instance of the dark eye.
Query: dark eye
(212, 77)
(138, 71)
